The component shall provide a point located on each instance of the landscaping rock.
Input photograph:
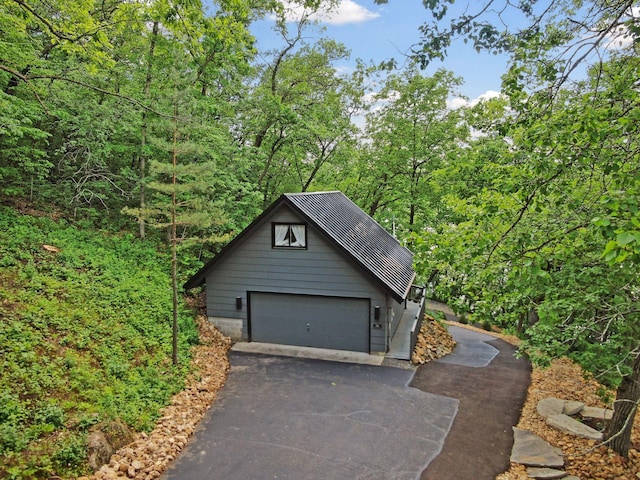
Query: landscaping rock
(545, 473)
(567, 424)
(532, 451)
(99, 449)
(597, 413)
(572, 407)
(104, 440)
(434, 341)
(550, 406)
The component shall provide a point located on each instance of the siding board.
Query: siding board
(317, 270)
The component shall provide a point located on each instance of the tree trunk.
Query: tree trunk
(142, 163)
(174, 239)
(618, 433)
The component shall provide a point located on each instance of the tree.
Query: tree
(183, 202)
(544, 238)
(551, 239)
(299, 112)
(413, 134)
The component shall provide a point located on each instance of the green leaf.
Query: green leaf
(625, 238)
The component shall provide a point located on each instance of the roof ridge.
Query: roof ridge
(312, 193)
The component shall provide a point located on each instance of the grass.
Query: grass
(85, 337)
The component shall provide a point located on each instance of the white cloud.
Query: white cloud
(621, 37)
(456, 103)
(459, 102)
(347, 12)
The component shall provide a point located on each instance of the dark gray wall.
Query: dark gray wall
(398, 310)
(317, 270)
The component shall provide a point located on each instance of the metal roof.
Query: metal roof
(365, 240)
(354, 232)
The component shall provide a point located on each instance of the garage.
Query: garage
(310, 321)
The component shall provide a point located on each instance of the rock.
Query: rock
(532, 451)
(434, 341)
(572, 407)
(537, 472)
(550, 406)
(567, 424)
(598, 413)
(99, 449)
(106, 439)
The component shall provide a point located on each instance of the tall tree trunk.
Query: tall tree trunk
(142, 163)
(174, 239)
(618, 433)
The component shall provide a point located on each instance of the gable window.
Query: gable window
(289, 235)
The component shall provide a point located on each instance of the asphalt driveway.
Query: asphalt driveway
(292, 418)
(295, 418)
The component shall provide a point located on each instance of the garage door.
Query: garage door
(310, 321)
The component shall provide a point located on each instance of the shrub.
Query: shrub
(70, 453)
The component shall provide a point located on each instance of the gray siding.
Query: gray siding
(317, 270)
(398, 310)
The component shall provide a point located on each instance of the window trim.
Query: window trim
(274, 226)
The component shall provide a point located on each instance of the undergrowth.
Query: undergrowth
(85, 337)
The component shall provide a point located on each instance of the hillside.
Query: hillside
(85, 339)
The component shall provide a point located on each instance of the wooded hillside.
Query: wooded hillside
(85, 339)
(165, 122)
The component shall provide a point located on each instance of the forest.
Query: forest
(145, 135)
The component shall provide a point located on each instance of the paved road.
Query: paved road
(291, 418)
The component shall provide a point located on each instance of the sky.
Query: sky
(380, 32)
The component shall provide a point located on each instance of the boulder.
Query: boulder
(532, 451)
(99, 449)
(598, 413)
(105, 440)
(550, 406)
(567, 424)
(545, 473)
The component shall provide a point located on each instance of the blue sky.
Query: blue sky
(379, 32)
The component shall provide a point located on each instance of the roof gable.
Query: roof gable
(350, 229)
(360, 236)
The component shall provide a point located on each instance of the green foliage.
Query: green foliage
(540, 235)
(86, 336)
(412, 136)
